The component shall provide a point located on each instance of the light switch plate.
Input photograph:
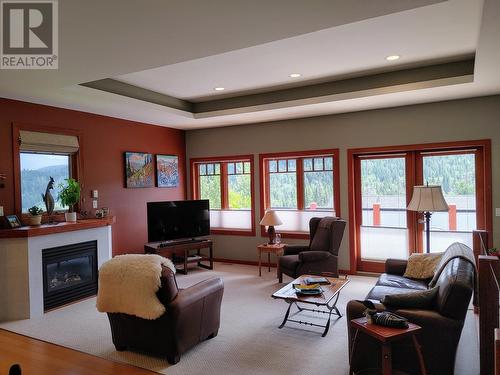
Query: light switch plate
(95, 194)
(497, 211)
(94, 203)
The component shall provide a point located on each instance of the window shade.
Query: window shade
(231, 219)
(48, 142)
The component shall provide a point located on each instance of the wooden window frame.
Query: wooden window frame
(224, 160)
(414, 172)
(265, 182)
(76, 162)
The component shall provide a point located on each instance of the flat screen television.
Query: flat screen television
(178, 219)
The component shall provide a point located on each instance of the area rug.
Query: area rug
(249, 341)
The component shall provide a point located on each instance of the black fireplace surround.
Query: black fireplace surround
(69, 273)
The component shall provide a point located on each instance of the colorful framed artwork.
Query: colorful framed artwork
(139, 170)
(167, 170)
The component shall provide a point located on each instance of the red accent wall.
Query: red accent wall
(105, 139)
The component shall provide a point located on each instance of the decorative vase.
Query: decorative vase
(34, 219)
(70, 217)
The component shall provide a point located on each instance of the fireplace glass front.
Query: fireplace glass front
(69, 273)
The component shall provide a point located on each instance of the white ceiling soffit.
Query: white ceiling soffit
(126, 37)
(432, 33)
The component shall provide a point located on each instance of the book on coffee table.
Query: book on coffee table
(316, 280)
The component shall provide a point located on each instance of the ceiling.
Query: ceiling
(419, 35)
(168, 57)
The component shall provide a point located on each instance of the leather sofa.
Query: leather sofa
(441, 325)
(192, 315)
(320, 257)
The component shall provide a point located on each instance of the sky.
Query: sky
(37, 161)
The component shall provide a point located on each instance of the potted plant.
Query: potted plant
(493, 252)
(35, 217)
(69, 196)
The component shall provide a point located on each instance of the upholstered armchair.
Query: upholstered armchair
(320, 257)
(192, 315)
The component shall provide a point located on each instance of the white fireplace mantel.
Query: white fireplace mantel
(21, 274)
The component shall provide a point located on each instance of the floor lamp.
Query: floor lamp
(427, 199)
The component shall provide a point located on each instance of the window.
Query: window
(228, 184)
(210, 184)
(36, 170)
(383, 231)
(41, 154)
(456, 174)
(299, 186)
(381, 187)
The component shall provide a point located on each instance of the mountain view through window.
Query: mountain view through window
(36, 170)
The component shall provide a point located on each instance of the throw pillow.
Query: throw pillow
(422, 266)
(422, 299)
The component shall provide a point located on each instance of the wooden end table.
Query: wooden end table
(275, 249)
(386, 335)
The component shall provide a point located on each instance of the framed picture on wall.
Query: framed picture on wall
(167, 170)
(139, 170)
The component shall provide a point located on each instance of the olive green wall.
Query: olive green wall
(468, 119)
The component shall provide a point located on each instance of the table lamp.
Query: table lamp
(271, 219)
(427, 199)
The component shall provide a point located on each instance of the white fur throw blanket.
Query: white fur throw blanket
(128, 284)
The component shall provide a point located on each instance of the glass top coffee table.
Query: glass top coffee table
(328, 299)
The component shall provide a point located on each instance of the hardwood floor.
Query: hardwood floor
(42, 358)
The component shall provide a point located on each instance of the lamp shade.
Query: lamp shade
(271, 218)
(427, 198)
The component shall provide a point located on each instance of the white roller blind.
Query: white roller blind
(231, 219)
(48, 142)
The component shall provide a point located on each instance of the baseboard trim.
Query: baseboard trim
(264, 264)
(245, 262)
(346, 272)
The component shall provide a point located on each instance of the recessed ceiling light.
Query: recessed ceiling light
(219, 88)
(295, 75)
(392, 57)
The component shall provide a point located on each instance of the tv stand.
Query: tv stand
(179, 251)
(179, 242)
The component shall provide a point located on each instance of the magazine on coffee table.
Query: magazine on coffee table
(313, 289)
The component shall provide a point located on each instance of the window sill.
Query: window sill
(233, 232)
(295, 235)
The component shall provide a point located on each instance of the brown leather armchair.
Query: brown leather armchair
(192, 315)
(321, 256)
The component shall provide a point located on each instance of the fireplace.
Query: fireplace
(69, 273)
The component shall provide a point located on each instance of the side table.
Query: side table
(386, 335)
(266, 248)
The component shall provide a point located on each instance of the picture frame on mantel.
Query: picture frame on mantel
(139, 170)
(167, 171)
(12, 221)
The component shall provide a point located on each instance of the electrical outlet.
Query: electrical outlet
(94, 203)
(497, 211)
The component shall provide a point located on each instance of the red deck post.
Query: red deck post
(452, 216)
(376, 214)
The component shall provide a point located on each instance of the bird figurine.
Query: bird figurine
(48, 198)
